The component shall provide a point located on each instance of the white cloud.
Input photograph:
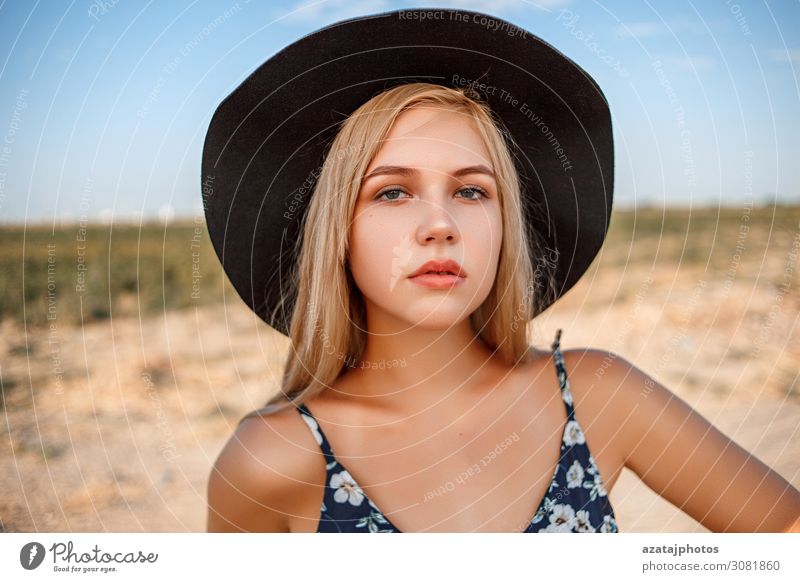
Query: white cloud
(66, 218)
(689, 63)
(166, 213)
(492, 7)
(328, 11)
(639, 29)
(106, 216)
(785, 55)
(651, 28)
(64, 54)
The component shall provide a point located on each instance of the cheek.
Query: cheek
(483, 241)
(379, 254)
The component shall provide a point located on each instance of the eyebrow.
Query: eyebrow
(403, 171)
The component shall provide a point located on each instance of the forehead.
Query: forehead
(431, 136)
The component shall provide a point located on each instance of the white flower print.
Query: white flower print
(557, 528)
(596, 484)
(374, 520)
(562, 519)
(567, 392)
(573, 434)
(544, 509)
(539, 515)
(346, 488)
(609, 525)
(575, 475)
(582, 522)
(312, 424)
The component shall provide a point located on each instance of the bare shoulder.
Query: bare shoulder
(600, 373)
(634, 401)
(603, 385)
(605, 379)
(267, 466)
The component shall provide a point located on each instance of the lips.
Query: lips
(438, 266)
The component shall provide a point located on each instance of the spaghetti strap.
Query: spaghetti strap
(556, 342)
(563, 379)
(316, 430)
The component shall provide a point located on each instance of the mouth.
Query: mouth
(439, 268)
(439, 274)
(438, 280)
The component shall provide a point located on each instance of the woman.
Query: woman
(443, 219)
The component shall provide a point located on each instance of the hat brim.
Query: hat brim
(266, 141)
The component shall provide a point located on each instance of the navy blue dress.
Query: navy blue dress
(576, 500)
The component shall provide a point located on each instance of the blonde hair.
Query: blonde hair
(322, 277)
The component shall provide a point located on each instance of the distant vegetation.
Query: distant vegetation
(80, 274)
(76, 274)
(709, 238)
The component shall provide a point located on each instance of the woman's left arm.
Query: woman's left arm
(682, 457)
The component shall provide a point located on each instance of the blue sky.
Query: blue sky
(104, 104)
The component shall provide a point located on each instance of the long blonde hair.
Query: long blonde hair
(323, 341)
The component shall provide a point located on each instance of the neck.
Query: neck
(405, 369)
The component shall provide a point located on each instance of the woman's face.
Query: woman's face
(430, 209)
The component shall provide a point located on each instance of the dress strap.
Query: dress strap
(561, 372)
(316, 430)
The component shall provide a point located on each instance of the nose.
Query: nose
(436, 224)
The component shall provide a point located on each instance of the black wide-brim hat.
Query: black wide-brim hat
(267, 140)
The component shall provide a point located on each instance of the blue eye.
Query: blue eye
(480, 191)
(388, 191)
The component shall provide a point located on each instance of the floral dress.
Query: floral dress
(576, 500)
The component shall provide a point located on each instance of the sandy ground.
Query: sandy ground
(113, 426)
